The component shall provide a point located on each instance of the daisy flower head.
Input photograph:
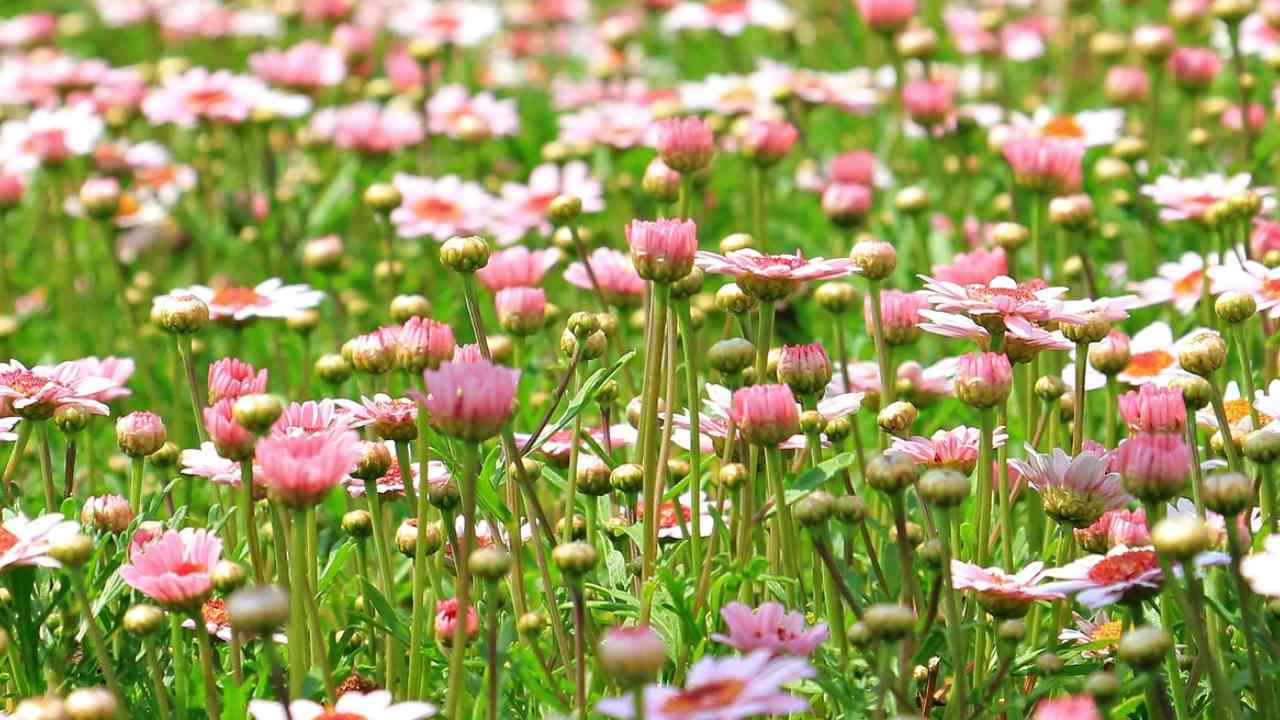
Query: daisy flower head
(1123, 574)
(457, 114)
(26, 541)
(37, 393)
(239, 304)
(49, 136)
(1189, 198)
(458, 23)
(469, 400)
(232, 378)
(440, 208)
(727, 17)
(1100, 630)
(376, 705)
(954, 449)
(1076, 490)
(523, 206)
(1045, 164)
(1262, 569)
(300, 470)
(205, 462)
(1090, 128)
(769, 627)
(977, 267)
(1239, 409)
(174, 570)
(199, 95)
(516, 266)
(1152, 408)
(1000, 298)
(1252, 278)
(771, 277)
(309, 65)
(1115, 527)
(1000, 593)
(368, 127)
(612, 272)
(1071, 707)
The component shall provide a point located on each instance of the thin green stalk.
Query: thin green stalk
(887, 381)
(250, 522)
(693, 400)
(207, 668)
(157, 677)
(299, 663)
(25, 428)
(787, 539)
(1006, 502)
(46, 469)
(571, 484)
(654, 352)
(955, 623)
(986, 484)
(180, 690)
(471, 469)
(95, 632)
(1224, 424)
(193, 388)
(418, 621)
(381, 550)
(135, 485)
(1077, 422)
(1263, 691)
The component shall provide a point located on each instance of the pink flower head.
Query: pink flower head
(240, 304)
(617, 277)
(1126, 84)
(846, 203)
(300, 470)
(309, 65)
(1049, 165)
(662, 250)
(1262, 569)
(806, 369)
(1033, 300)
(113, 371)
(1188, 198)
(439, 208)
(233, 378)
(765, 414)
(1076, 490)
(521, 310)
(769, 627)
(983, 379)
(1154, 409)
(956, 449)
(389, 418)
(470, 400)
(516, 266)
(37, 393)
(1115, 527)
(767, 141)
(1256, 117)
(856, 166)
(12, 188)
(899, 312)
(326, 10)
(424, 343)
(453, 112)
(1265, 237)
(929, 102)
(174, 569)
(1194, 68)
(977, 267)
(1122, 574)
(685, 144)
(231, 440)
(351, 705)
(311, 417)
(140, 433)
(1000, 593)
(199, 95)
(1251, 277)
(368, 127)
(107, 513)
(767, 275)
(727, 688)
(886, 16)
(1071, 707)
(1154, 465)
(447, 620)
(26, 541)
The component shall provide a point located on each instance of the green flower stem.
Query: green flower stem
(955, 623)
(491, 629)
(1224, 424)
(193, 388)
(25, 427)
(157, 677)
(571, 481)
(579, 646)
(207, 668)
(887, 381)
(1197, 474)
(299, 663)
(418, 621)
(381, 550)
(908, 588)
(95, 632)
(180, 690)
(787, 537)
(1006, 503)
(1077, 421)
(1263, 690)
(693, 400)
(654, 352)
(985, 484)
(406, 473)
(1194, 612)
(135, 485)
(247, 510)
(1113, 402)
(462, 591)
(46, 469)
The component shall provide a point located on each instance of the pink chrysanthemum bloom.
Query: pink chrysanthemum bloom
(1050, 165)
(392, 482)
(1126, 84)
(26, 541)
(516, 267)
(729, 688)
(107, 513)
(439, 208)
(1122, 574)
(376, 705)
(727, 17)
(311, 417)
(455, 113)
(772, 276)
(37, 393)
(174, 569)
(521, 310)
(469, 400)
(300, 470)
(1101, 629)
(523, 206)
(983, 379)
(619, 282)
(1194, 68)
(1071, 707)
(900, 313)
(846, 204)
(1180, 282)
(1002, 594)
(955, 449)
(205, 462)
(675, 519)
(309, 65)
(662, 250)
(1034, 301)
(1253, 278)
(1154, 409)
(886, 16)
(1262, 569)
(806, 369)
(765, 414)
(230, 439)
(556, 447)
(50, 136)
(1115, 527)
(929, 102)
(767, 142)
(199, 95)
(424, 343)
(977, 267)
(1076, 490)
(769, 627)
(368, 127)
(447, 620)
(390, 418)
(240, 304)
(1154, 466)
(233, 378)
(115, 370)
(1189, 198)
(856, 166)
(1265, 238)
(685, 144)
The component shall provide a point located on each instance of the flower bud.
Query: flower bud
(166, 457)
(944, 487)
(1102, 686)
(92, 703)
(140, 433)
(358, 524)
(333, 369)
(1050, 388)
(258, 610)
(257, 412)
(1071, 212)
(228, 576)
(575, 559)
(983, 380)
(100, 197)
(813, 509)
(1181, 537)
(489, 563)
(889, 621)
(1235, 307)
(732, 475)
(661, 182)
(689, 285)
(564, 209)
(531, 624)
(1048, 663)
(71, 549)
(1095, 327)
(891, 472)
(812, 422)
(731, 356)
(465, 254)
(106, 513)
(1196, 391)
(41, 707)
(1227, 493)
(685, 144)
(181, 314)
(1010, 236)
(627, 478)
(1203, 353)
(444, 495)
(404, 307)
(806, 369)
(1012, 631)
(1145, 646)
(631, 656)
(874, 259)
(837, 429)
(593, 479)
(375, 460)
(324, 254)
(382, 197)
(836, 297)
(70, 419)
(896, 418)
(1110, 355)
(851, 509)
(143, 619)
(732, 299)
(406, 537)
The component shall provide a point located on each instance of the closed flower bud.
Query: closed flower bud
(1232, 11)
(1095, 327)
(382, 197)
(324, 254)
(1145, 646)
(838, 429)
(143, 620)
(358, 524)
(1227, 493)
(333, 369)
(257, 412)
(1012, 631)
(70, 419)
(912, 200)
(1181, 537)
(42, 707)
(166, 457)
(531, 624)
(836, 297)
(660, 181)
(689, 285)
(1235, 307)
(71, 549)
(851, 509)
(891, 472)
(465, 254)
(1049, 663)
(874, 259)
(444, 495)
(889, 621)
(1071, 212)
(407, 537)
(631, 656)
(92, 703)
(1010, 236)
(1102, 686)
(1196, 391)
(574, 559)
(1050, 388)
(182, 314)
(731, 356)
(489, 563)
(593, 479)
(944, 487)
(582, 324)
(140, 433)
(100, 197)
(590, 347)
(813, 509)
(1111, 355)
(732, 475)
(1262, 446)
(859, 634)
(983, 380)
(375, 459)
(732, 299)
(564, 209)
(370, 354)
(258, 610)
(627, 478)
(228, 576)
(896, 418)
(685, 144)
(806, 369)
(765, 415)
(404, 307)
(1203, 353)
(812, 422)
(106, 513)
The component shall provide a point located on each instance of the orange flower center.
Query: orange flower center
(7, 540)
(1123, 567)
(157, 176)
(332, 715)
(237, 297)
(186, 567)
(202, 100)
(1108, 631)
(24, 381)
(727, 7)
(1152, 362)
(1239, 409)
(704, 698)
(215, 611)
(1062, 126)
(1270, 290)
(434, 208)
(1190, 284)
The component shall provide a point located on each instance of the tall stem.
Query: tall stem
(208, 671)
(471, 462)
(787, 538)
(887, 381)
(25, 427)
(1077, 422)
(95, 633)
(46, 469)
(135, 485)
(193, 388)
(955, 626)
(654, 352)
(1224, 424)
(693, 400)
(299, 631)
(250, 522)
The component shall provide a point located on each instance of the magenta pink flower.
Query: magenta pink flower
(856, 166)
(805, 368)
(440, 208)
(1124, 574)
(1194, 68)
(424, 343)
(977, 267)
(521, 310)
(619, 282)
(390, 418)
(1126, 84)
(662, 250)
(37, 393)
(886, 16)
(107, 513)
(765, 414)
(846, 203)
(12, 187)
(516, 266)
(956, 449)
(1152, 408)
(1187, 198)
(756, 272)
(311, 417)
(174, 569)
(447, 620)
(309, 65)
(767, 141)
(769, 627)
(1154, 465)
(1071, 707)
(685, 144)
(368, 127)
(233, 378)
(929, 102)
(728, 688)
(900, 312)
(231, 440)
(1115, 527)
(300, 470)
(1076, 490)
(1265, 237)
(470, 400)
(1000, 593)
(1048, 165)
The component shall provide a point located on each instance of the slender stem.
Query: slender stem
(157, 677)
(207, 668)
(1263, 691)
(189, 367)
(985, 483)
(1224, 424)
(579, 647)
(25, 427)
(909, 590)
(46, 469)
(471, 461)
(1006, 502)
(179, 665)
(381, 549)
(571, 486)
(491, 629)
(955, 623)
(787, 538)
(95, 632)
(135, 485)
(887, 381)
(693, 401)
(299, 664)
(1077, 422)
(250, 522)
(418, 620)
(649, 446)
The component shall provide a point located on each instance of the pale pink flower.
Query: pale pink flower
(174, 569)
(205, 462)
(199, 95)
(439, 208)
(929, 102)
(899, 313)
(1033, 301)
(856, 166)
(232, 378)
(446, 621)
(376, 705)
(391, 483)
(311, 417)
(846, 203)
(618, 279)
(886, 15)
(1194, 68)
(1071, 707)
(685, 144)
(469, 400)
(728, 688)
(1153, 463)
(1075, 489)
(1265, 238)
(1122, 574)
(1180, 282)
(369, 127)
(299, 470)
(1115, 527)
(455, 113)
(765, 414)
(239, 303)
(113, 370)
(1233, 119)
(1151, 408)
(425, 343)
(28, 29)
(769, 627)
(458, 23)
(730, 18)
(557, 445)
(517, 266)
(750, 264)
(38, 392)
(1045, 164)
(1089, 128)
(521, 310)
(1000, 593)
(25, 541)
(1262, 569)
(523, 206)
(618, 125)
(1249, 277)
(662, 250)
(977, 267)
(1126, 84)
(6, 429)
(309, 65)
(956, 449)
(12, 188)
(1189, 198)
(326, 10)
(1100, 629)
(49, 136)
(230, 439)
(767, 142)
(387, 416)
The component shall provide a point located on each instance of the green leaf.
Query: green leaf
(337, 197)
(387, 617)
(586, 394)
(337, 563)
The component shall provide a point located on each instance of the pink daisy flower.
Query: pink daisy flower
(769, 627)
(299, 470)
(730, 688)
(1000, 593)
(1189, 198)
(1249, 277)
(455, 113)
(49, 136)
(516, 266)
(1045, 164)
(114, 370)
(1151, 408)
(727, 17)
(239, 304)
(460, 23)
(1122, 574)
(174, 569)
(1115, 527)
(1033, 301)
(376, 705)
(205, 462)
(368, 127)
(37, 393)
(1262, 569)
(311, 417)
(618, 279)
(469, 400)
(1071, 707)
(25, 541)
(199, 95)
(1101, 629)
(385, 414)
(233, 378)
(977, 267)
(439, 208)
(309, 65)
(956, 449)
(524, 205)
(1076, 490)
